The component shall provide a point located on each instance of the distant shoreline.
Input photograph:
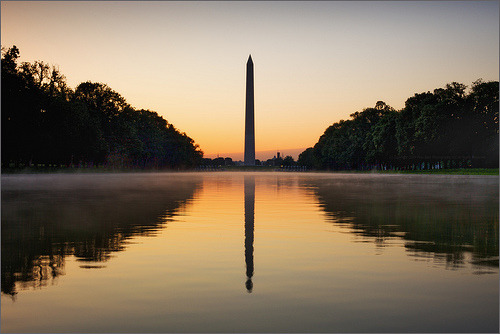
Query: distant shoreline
(55, 170)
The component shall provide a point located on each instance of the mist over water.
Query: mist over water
(48, 217)
(249, 252)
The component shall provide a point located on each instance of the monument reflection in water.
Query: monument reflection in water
(249, 187)
(163, 253)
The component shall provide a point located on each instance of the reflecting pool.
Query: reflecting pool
(249, 252)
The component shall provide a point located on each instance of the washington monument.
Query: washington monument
(249, 118)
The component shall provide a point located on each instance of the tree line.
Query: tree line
(451, 127)
(225, 162)
(45, 122)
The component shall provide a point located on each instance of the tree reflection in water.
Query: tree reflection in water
(449, 220)
(452, 221)
(46, 218)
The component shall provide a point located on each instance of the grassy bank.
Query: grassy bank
(82, 170)
(456, 171)
(45, 170)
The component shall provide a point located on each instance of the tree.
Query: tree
(44, 121)
(483, 122)
(384, 143)
(447, 124)
(306, 158)
(9, 60)
(288, 161)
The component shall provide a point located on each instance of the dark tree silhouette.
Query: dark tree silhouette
(46, 122)
(449, 127)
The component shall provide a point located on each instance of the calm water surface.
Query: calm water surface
(249, 252)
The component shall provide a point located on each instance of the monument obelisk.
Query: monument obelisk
(249, 118)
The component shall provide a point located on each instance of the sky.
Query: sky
(315, 63)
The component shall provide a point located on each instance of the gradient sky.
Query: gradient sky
(315, 63)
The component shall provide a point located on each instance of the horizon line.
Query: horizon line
(295, 153)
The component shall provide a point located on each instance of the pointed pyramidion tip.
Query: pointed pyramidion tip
(250, 58)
